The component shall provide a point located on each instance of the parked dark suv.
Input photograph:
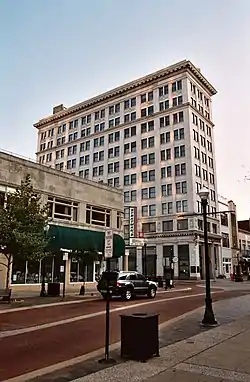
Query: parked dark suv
(126, 284)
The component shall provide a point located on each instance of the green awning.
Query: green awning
(78, 239)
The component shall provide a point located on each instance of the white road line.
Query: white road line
(69, 303)
(15, 332)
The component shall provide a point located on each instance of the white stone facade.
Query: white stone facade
(153, 138)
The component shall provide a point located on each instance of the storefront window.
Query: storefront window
(58, 275)
(33, 272)
(76, 271)
(80, 272)
(18, 272)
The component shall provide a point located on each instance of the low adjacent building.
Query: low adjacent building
(81, 211)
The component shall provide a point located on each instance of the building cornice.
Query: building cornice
(178, 68)
(187, 233)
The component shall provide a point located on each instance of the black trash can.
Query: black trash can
(139, 336)
(53, 290)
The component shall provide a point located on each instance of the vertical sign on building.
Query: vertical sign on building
(108, 244)
(132, 222)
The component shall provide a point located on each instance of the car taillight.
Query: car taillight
(118, 284)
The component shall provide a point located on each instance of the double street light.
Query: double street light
(208, 319)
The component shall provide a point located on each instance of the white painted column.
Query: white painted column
(139, 259)
(194, 260)
(125, 260)
(176, 265)
(159, 260)
(220, 261)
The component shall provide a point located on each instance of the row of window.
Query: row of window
(203, 173)
(114, 152)
(150, 193)
(166, 208)
(115, 109)
(128, 132)
(204, 158)
(62, 209)
(200, 108)
(198, 122)
(130, 103)
(197, 92)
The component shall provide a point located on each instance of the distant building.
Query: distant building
(81, 211)
(153, 138)
(230, 235)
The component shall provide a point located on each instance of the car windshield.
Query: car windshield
(123, 277)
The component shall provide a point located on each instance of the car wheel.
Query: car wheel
(152, 293)
(127, 295)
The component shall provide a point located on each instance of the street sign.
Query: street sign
(175, 259)
(132, 222)
(137, 241)
(65, 256)
(108, 244)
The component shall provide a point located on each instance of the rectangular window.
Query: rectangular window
(167, 208)
(165, 138)
(167, 225)
(151, 158)
(182, 224)
(152, 209)
(151, 192)
(144, 211)
(164, 105)
(63, 209)
(148, 227)
(164, 121)
(98, 216)
(163, 91)
(133, 178)
(133, 195)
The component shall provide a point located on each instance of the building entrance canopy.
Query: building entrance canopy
(78, 239)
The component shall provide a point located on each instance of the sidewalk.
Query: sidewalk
(24, 300)
(216, 355)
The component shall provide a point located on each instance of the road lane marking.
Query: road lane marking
(70, 302)
(15, 332)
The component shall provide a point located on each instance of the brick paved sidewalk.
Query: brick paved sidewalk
(220, 354)
(214, 355)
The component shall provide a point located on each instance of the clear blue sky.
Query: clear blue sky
(64, 51)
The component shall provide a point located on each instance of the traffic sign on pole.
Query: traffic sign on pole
(108, 253)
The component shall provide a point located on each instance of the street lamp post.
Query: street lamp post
(43, 289)
(208, 319)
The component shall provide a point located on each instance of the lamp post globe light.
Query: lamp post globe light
(208, 319)
(43, 289)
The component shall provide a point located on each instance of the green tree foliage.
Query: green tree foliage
(22, 223)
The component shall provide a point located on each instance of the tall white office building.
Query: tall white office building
(153, 137)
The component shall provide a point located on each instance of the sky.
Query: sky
(66, 51)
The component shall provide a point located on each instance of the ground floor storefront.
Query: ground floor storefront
(73, 269)
(185, 256)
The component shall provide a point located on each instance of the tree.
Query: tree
(22, 223)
